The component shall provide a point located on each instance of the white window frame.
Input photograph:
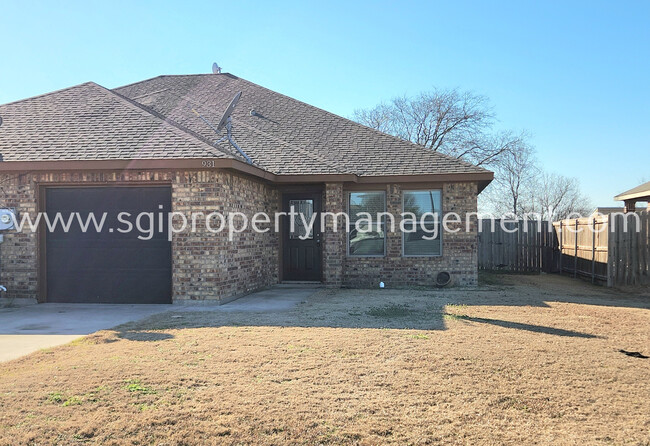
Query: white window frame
(440, 231)
(350, 224)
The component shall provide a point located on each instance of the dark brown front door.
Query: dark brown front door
(301, 244)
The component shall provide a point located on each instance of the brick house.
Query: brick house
(142, 148)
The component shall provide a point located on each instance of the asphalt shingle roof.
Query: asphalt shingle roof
(288, 136)
(89, 122)
(153, 119)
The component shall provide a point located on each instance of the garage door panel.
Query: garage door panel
(90, 257)
(108, 266)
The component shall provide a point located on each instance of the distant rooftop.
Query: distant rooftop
(639, 193)
(611, 210)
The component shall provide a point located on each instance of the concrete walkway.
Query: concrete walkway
(26, 329)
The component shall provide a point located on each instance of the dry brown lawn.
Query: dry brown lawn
(522, 360)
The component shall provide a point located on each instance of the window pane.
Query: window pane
(416, 245)
(422, 201)
(370, 202)
(305, 208)
(368, 240)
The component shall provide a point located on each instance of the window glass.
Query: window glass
(418, 239)
(422, 201)
(305, 208)
(366, 238)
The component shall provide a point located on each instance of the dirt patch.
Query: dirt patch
(530, 359)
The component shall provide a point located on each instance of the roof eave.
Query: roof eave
(639, 196)
(482, 178)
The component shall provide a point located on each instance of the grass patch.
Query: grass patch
(135, 386)
(418, 336)
(390, 311)
(73, 401)
(55, 397)
(60, 398)
(455, 312)
(146, 407)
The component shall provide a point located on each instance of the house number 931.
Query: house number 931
(207, 163)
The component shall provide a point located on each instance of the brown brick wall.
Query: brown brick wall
(459, 250)
(18, 252)
(208, 266)
(334, 243)
(204, 265)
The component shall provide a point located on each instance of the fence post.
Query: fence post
(575, 253)
(593, 251)
(561, 246)
(610, 252)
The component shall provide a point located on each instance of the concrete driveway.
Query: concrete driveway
(26, 329)
(29, 328)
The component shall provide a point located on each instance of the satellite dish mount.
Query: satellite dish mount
(226, 122)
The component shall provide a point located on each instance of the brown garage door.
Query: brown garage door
(108, 266)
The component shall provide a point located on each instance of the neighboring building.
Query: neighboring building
(612, 210)
(141, 148)
(631, 197)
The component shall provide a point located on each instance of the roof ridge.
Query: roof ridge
(173, 75)
(165, 119)
(49, 93)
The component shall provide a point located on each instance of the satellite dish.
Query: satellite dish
(7, 218)
(216, 69)
(226, 121)
(228, 112)
(0, 120)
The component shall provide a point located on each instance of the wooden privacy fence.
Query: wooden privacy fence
(522, 246)
(582, 245)
(614, 249)
(628, 259)
(616, 252)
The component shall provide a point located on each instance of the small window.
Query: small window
(306, 209)
(417, 236)
(368, 238)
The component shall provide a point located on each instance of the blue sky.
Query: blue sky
(575, 74)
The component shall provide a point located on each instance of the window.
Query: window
(369, 238)
(306, 208)
(416, 238)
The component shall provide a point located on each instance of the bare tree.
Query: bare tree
(511, 191)
(460, 124)
(447, 121)
(521, 187)
(557, 197)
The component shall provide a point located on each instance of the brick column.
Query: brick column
(393, 239)
(334, 244)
